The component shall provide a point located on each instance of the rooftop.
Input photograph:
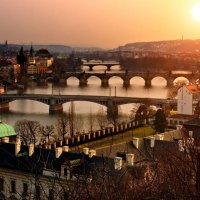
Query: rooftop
(193, 88)
(6, 130)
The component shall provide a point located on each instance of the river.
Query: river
(32, 110)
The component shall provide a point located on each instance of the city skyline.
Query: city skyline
(99, 23)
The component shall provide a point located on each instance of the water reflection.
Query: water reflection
(27, 109)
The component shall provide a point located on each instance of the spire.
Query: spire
(31, 50)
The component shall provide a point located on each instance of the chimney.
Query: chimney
(152, 141)
(5, 139)
(118, 163)
(65, 148)
(31, 149)
(58, 151)
(17, 146)
(190, 134)
(92, 153)
(135, 141)
(86, 151)
(130, 159)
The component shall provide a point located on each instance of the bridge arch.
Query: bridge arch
(159, 80)
(115, 80)
(180, 79)
(137, 80)
(115, 67)
(27, 104)
(72, 80)
(99, 67)
(50, 79)
(82, 106)
(94, 80)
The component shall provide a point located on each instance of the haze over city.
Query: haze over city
(99, 23)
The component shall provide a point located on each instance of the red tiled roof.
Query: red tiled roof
(193, 88)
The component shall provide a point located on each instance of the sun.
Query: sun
(196, 12)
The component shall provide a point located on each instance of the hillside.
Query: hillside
(170, 46)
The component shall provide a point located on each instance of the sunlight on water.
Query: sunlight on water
(27, 109)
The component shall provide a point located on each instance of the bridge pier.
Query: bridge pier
(112, 110)
(148, 83)
(104, 82)
(126, 83)
(55, 109)
(4, 107)
(108, 67)
(62, 82)
(82, 82)
(91, 67)
(170, 82)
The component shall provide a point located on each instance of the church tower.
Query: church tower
(31, 57)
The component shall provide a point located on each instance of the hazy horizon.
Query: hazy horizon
(99, 24)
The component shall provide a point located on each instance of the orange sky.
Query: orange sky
(97, 23)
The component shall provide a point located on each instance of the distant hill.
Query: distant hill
(169, 46)
(54, 48)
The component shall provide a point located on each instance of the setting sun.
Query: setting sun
(196, 12)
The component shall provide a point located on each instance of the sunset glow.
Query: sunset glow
(99, 23)
(196, 12)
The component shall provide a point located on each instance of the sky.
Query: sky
(96, 23)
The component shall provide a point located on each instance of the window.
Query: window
(65, 171)
(1, 184)
(13, 186)
(25, 189)
(37, 191)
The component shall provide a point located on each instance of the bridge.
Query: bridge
(56, 102)
(106, 63)
(126, 76)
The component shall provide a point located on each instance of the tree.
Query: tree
(62, 126)
(101, 117)
(47, 132)
(160, 122)
(140, 114)
(172, 92)
(28, 131)
(22, 59)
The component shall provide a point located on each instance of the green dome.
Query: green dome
(6, 130)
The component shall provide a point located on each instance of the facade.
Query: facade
(31, 69)
(29, 172)
(8, 70)
(39, 62)
(186, 97)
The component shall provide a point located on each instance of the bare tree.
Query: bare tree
(28, 131)
(62, 126)
(101, 117)
(47, 133)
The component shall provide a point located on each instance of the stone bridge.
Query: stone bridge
(124, 75)
(56, 102)
(107, 64)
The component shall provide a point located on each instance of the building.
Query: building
(48, 172)
(8, 71)
(187, 96)
(43, 57)
(7, 132)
